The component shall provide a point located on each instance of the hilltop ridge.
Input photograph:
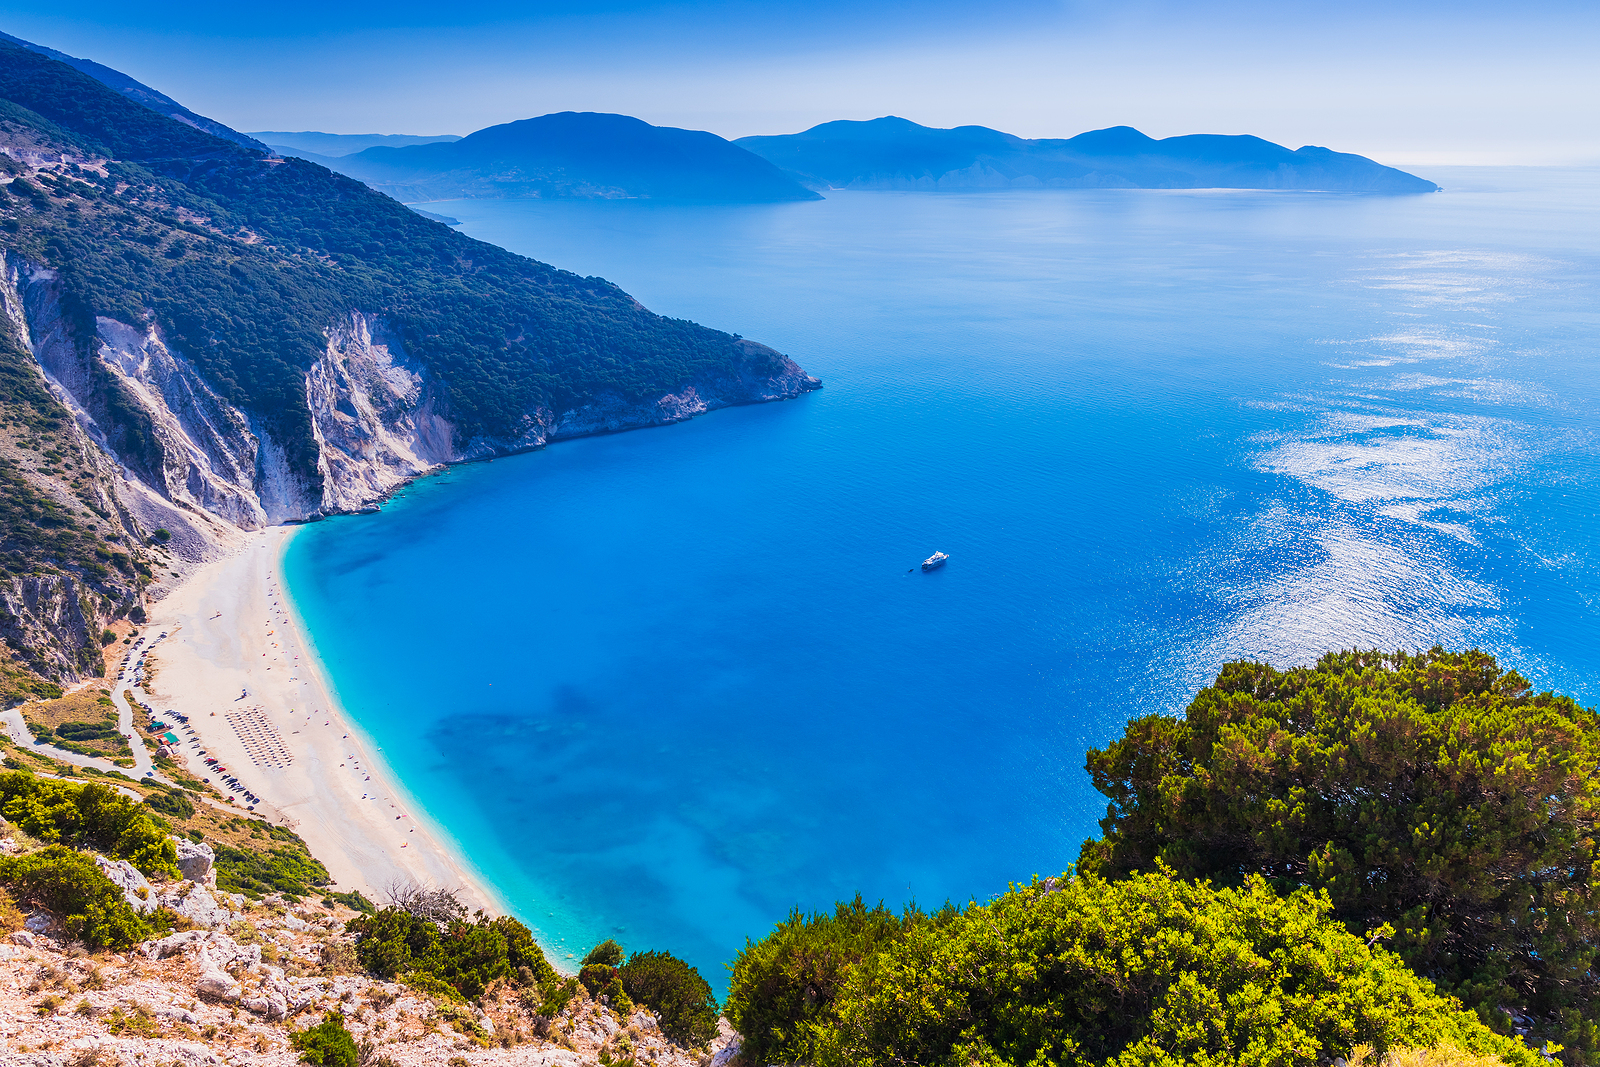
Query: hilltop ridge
(574, 155)
(896, 153)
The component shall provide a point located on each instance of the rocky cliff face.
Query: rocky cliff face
(187, 461)
(53, 622)
(375, 413)
(196, 463)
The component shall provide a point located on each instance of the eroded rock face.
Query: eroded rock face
(53, 619)
(196, 860)
(375, 413)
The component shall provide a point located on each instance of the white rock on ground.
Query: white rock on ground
(197, 861)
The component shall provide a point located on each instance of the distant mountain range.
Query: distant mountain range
(334, 145)
(573, 155)
(895, 153)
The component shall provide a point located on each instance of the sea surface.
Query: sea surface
(667, 685)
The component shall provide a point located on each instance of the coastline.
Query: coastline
(237, 652)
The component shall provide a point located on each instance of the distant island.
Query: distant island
(571, 155)
(895, 153)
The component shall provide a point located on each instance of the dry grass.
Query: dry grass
(11, 916)
(1437, 1056)
(89, 705)
(86, 705)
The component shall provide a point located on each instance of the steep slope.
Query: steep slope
(582, 155)
(136, 90)
(894, 153)
(214, 340)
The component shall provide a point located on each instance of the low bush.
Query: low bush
(681, 999)
(328, 1044)
(607, 953)
(784, 985)
(352, 900)
(462, 955)
(89, 815)
(171, 803)
(70, 886)
(285, 867)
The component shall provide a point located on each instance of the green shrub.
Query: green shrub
(556, 994)
(285, 867)
(171, 803)
(784, 985)
(328, 1044)
(523, 952)
(596, 977)
(607, 952)
(352, 900)
(1433, 792)
(464, 955)
(70, 886)
(88, 815)
(1150, 970)
(681, 999)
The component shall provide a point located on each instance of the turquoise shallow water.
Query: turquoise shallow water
(668, 684)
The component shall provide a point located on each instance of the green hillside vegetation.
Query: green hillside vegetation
(455, 956)
(244, 260)
(280, 864)
(1434, 793)
(87, 815)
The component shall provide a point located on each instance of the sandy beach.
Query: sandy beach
(236, 662)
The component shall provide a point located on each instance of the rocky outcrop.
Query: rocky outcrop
(52, 621)
(762, 374)
(126, 877)
(375, 414)
(196, 861)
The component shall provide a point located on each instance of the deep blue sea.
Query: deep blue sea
(668, 685)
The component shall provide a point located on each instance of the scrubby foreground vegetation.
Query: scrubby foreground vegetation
(1384, 857)
(1148, 970)
(1435, 793)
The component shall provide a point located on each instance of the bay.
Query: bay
(667, 685)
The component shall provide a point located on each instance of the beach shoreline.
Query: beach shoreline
(239, 661)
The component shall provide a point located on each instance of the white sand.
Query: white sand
(232, 630)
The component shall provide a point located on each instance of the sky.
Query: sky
(1403, 81)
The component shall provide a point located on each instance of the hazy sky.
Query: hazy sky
(1406, 82)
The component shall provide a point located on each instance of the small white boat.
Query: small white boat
(935, 561)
